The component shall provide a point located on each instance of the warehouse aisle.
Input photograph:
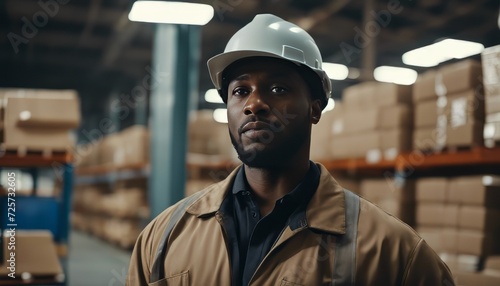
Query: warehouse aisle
(94, 262)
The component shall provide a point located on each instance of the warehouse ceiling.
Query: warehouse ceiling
(91, 46)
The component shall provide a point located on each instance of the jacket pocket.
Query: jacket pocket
(288, 283)
(181, 279)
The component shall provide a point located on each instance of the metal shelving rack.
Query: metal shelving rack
(40, 207)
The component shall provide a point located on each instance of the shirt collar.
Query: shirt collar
(325, 211)
(299, 194)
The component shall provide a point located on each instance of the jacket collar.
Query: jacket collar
(325, 212)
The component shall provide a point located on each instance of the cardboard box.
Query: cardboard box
(492, 263)
(490, 58)
(111, 151)
(479, 218)
(35, 254)
(394, 142)
(492, 104)
(429, 214)
(322, 133)
(461, 76)
(396, 116)
(375, 94)
(464, 278)
(477, 243)
(424, 138)
(477, 190)
(424, 87)
(371, 118)
(349, 183)
(361, 119)
(40, 120)
(451, 215)
(464, 107)
(135, 144)
(493, 117)
(426, 114)
(193, 185)
(378, 189)
(208, 137)
(491, 134)
(431, 189)
(469, 134)
(449, 239)
(432, 236)
(395, 199)
(355, 145)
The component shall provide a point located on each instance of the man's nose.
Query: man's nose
(256, 104)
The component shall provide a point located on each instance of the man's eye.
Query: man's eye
(240, 91)
(278, 89)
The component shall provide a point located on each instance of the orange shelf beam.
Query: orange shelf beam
(33, 159)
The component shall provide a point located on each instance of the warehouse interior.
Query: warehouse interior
(107, 121)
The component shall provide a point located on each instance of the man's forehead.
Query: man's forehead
(270, 68)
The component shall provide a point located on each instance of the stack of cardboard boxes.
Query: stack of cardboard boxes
(129, 147)
(458, 217)
(209, 140)
(38, 120)
(449, 107)
(115, 213)
(323, 132)
(374, 122)
(491, 79)
(394, 197)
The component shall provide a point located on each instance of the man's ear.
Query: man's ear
(316, 111)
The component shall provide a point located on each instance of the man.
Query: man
(279, 219)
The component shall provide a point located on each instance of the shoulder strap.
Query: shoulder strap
(158, 270)
(344, 269)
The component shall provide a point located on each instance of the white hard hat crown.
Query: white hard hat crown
(270, 36)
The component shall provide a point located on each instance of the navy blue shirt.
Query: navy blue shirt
(250, 237)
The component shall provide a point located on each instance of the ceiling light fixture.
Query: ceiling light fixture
(220, 115)
(171, 12)
(213, 96)
(395, 75)
(329, 106)
(434, 54)
(336, 71)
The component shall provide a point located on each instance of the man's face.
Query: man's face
(269, 111)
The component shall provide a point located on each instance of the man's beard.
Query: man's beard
(272, 156)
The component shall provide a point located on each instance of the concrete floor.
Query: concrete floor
(93, 262)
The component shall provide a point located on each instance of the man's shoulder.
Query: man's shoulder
(384, 225)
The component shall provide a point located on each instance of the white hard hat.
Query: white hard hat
(271, 36)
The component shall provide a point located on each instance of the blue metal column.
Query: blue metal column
(176, 50)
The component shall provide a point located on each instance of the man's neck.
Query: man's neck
(271, 184)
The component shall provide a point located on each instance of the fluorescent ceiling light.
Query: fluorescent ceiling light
(220, 115)
(395, 75)
(434, 54)
(354, 73)
(213, 96)
(171, 12)
(329, 106)
(336, 71)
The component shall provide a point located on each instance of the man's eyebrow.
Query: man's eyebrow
(241, 77)
(271, 76)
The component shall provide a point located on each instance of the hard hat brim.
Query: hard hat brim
(217, 64)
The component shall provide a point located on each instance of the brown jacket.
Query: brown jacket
(388, 252)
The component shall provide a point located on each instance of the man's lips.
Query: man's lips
(254, 125)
